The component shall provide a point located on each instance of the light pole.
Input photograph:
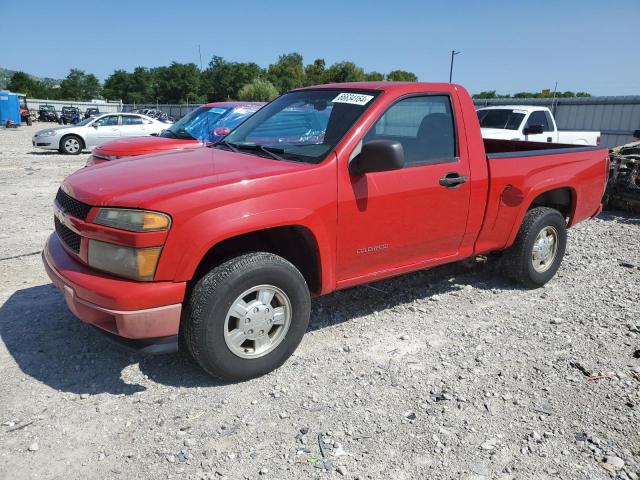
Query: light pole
(453, 54)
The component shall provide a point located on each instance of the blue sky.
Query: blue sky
(507, 46)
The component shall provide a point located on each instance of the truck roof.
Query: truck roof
(526, 108)
(386, 86)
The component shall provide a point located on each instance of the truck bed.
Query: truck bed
(520, 171)
(495, 148)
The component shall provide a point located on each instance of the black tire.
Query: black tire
(212, 297)
(64, 148)
(517, 261)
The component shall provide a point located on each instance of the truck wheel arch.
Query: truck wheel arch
(561, 198)
(295, 243)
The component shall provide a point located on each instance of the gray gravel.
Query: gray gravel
(449, 373)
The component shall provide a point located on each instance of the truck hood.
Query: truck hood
(154, 178)
(143, 145)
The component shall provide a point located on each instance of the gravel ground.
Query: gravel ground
(448, 373)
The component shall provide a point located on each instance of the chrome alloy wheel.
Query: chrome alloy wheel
(257, 321)
(72, 145)
(545, 249)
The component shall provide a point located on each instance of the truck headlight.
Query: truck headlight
(133, 220)
(128, 262)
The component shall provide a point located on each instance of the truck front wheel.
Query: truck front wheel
(537, 252)
(247, 316)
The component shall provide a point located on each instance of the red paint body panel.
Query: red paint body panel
(127, 147)
(129, 309)
(409, 220)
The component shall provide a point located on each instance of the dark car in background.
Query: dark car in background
(69, 115)
(47, 113)
(91, 112)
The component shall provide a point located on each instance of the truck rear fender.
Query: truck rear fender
(513, 203)
(561, 198)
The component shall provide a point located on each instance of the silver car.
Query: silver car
(93, 131)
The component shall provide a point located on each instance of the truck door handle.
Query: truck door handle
(452, 180)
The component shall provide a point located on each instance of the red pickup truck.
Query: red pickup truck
(322, 189)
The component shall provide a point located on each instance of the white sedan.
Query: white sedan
(93, 131)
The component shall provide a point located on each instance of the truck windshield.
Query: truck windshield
(505, 119)
(301, 126)
(198, 124)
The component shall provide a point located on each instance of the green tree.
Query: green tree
(525, 95)
(487, 94)
(117, 85)
(258, 91)
(141, 86)
(287, 73)
(401, 76)
(79, 85)
(315, 72)
(22, 83)
(177, 83)
(374, 77)
(222, 79)
(344, 72)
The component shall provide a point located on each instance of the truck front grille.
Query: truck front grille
(72, 206)
(70, 238)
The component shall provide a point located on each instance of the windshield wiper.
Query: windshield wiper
(230, 146)
(271, 151)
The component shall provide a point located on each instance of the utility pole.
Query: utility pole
(200, 55)
(553, 100)
(453, 54)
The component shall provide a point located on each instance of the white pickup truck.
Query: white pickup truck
(526, 122)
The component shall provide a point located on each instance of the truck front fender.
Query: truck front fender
(209, 228)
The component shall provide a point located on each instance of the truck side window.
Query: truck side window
(549, 121)
(423, 125)
(539, 118)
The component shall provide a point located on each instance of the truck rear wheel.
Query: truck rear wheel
(537, 252)
(247, 316)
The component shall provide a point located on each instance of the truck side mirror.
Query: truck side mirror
(533, 130)
(378, 156)
(636, 134)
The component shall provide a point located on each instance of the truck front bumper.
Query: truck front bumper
(122, 308)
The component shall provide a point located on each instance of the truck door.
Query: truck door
(548, 134)
(412, 215)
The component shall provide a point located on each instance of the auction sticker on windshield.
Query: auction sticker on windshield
(353, 98)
